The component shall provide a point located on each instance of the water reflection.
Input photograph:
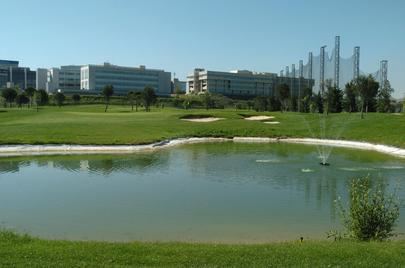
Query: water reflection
(207, 191)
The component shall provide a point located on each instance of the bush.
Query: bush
(372, 213)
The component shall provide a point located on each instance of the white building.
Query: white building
(42, 78)
(243, 83)
(65, 78)
(124, 79)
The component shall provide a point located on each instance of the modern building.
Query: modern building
(243, 83)
(179, 85)
(65, 78)
(42, 75)
(11, 75)
(124, 79)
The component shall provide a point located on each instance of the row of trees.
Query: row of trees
(146, 98)
(360, 95)
(31, 97)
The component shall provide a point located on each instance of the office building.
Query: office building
(42, 75)
(124, 79)
(178, 85)
(243, 83)
(11, 75)
(65, 79)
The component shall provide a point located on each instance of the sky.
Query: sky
(222, 35)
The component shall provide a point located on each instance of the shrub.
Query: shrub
(372, 213)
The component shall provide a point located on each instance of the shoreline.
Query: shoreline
(64, 149)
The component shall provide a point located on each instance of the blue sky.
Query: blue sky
(179, 35)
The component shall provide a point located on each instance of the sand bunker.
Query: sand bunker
(202, 120)
(272, 122)
(259, 118)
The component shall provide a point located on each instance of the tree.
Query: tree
(76, 98)
(372, 213)
(149, 97)
(30, 93)
(384, 98)
(131, 99)
(283, 91)
(138, 100)
(108, 91)
(41, 98)
(334, 98)
(306, 100)
(207, 100)
(9, 94)
(260, 104)
(22, 99)
(318, 101)
(350, 101)
(367, 89)
(59, 98)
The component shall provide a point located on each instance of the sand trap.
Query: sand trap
(259, 118)
(203, 120)
(272, 122)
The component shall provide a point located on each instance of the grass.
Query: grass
(88, 124)
(25, 251)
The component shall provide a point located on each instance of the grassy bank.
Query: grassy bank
(24, 251)
(88, 124)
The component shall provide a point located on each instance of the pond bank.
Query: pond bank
(21, 150)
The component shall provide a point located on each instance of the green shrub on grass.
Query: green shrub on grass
(372, 213)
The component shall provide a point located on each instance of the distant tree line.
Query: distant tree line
(360, 95)
(363, 95)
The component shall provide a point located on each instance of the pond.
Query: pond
(212, 192)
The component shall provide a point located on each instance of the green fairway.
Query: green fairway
(23, 251)
(88, 124)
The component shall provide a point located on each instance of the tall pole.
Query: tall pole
(337, 60)
(356, 63)
(310, 57)
(322, 71)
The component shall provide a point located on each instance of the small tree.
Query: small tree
(9, 94)
(131, 99)
(384, 98)
(138, 100)
(108, 91)
(318, 101)
(149, 97)
(59, 99)
(334, 98)
(41, 98)
(284, 95)
(260, 104)
(350, 102)
(22, 99)
(372, 213)
(207, 100)
(30, 93)
(367, 89)
(76, 98)
(306, 100)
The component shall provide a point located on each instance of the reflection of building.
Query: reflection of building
(65, 78)
(242, 83)
(11, 75)
(124, 79)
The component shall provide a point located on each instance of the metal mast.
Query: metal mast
(322, 71)
(383, 73)
(356, 63)
(337, 60)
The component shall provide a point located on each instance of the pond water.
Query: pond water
(214, 192)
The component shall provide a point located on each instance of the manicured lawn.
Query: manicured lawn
(23, 251)
(88, 124)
